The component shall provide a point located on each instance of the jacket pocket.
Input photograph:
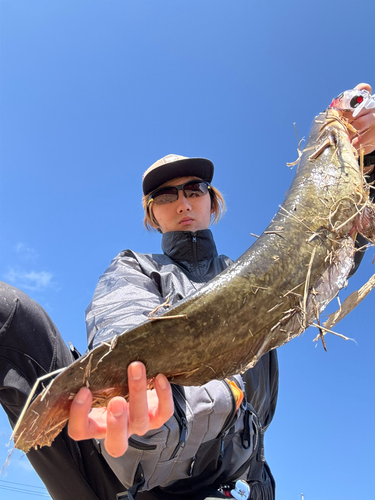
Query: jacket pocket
(156, 451)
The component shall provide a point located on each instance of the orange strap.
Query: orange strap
(237, 393)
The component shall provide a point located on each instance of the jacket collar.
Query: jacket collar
(188, 246)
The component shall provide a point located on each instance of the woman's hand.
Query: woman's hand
(145, 410)
(364, 123)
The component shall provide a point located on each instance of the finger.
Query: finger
(138, 405)
(365, 136)
(364, 86)
(165, 408)
(366, 141)
(116, 441)
(78, 426)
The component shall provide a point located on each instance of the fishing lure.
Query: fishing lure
(354, 100)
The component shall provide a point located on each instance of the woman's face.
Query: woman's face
(184, 214)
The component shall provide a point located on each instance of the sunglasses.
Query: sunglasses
(169, 194)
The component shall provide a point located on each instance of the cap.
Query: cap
(172, 166)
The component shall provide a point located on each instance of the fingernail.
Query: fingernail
(81, 396)
(162, 381)
(117, 408)
(136, 371)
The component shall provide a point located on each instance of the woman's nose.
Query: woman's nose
(183, 203)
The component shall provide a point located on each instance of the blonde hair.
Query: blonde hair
(217, 205)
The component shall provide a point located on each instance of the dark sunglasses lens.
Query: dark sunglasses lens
(195, 189)
(166, 195)
(169, 194)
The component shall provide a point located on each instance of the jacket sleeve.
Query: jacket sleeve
(361, 242)
(123, 299)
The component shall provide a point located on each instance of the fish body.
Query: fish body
(271, 294)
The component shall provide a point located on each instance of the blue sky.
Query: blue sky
(93, 92)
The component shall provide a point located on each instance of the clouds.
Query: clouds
(25, 273)
(26, 252)
(29, 280)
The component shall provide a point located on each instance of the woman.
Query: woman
(180, 202)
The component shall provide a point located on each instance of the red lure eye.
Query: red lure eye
(356, 100)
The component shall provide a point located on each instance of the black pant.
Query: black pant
(30, 347)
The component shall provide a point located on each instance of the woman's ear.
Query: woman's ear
(154, 224)
(152, 221)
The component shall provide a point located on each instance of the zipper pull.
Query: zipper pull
(182, 441)
(192, 465)
(246, 438)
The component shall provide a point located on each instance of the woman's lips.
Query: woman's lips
(185, 221)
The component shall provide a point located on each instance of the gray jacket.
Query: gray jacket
(134, 285)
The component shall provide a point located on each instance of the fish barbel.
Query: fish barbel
(271, 294)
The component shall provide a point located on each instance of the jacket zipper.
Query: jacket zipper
(181, 419)
(141, 446)
(228, 423)
(195, 257)
(182, 422)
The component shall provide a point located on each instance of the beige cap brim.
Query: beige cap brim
(173, 166)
